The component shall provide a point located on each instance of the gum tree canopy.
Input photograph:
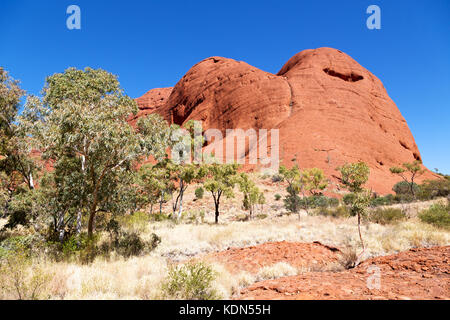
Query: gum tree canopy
(83, 115)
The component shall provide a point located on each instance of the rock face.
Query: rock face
(329, 110)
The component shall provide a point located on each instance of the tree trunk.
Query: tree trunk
(151, 208)
(60, 228)
(180, 211)
(78, 229)
(91, 222)
(217, 213)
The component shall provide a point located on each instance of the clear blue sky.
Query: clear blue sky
(153, 43)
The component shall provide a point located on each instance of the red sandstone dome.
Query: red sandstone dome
(329, 110)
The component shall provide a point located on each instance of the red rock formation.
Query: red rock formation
(151, 102)
(328, 108)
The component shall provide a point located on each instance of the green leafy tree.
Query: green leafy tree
(353, 178)
(16, 165)
(295, 186)
(221, 180)
(83, 115)
(409, 171)
(314, 180)
(252, 195)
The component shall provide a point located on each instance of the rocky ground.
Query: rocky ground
(420, 273)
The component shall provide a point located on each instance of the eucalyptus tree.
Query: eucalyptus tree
(83, 116)
(252, 195)
(413, 169)
(353, 178)
(16, 166)
(220, 181)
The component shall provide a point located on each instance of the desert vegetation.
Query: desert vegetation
(85, 214)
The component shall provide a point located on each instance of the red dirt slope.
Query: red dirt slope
(415, 274)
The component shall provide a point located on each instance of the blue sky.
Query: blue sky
(151, 44)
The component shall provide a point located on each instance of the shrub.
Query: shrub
(349, 198)
(333, 202)
(292, 202)
(349, 257)
(437, 215)
(159, 217)
(277, 197)
(191, 281)
(278, 270)
(434, 188)
(318, 202)
(382, 201)
(137, 221)
(386, 216)
(403, 198)
(199, 192)
(22, 279)
(276, 178)
(404, 187)
(339, 212)
(130, 244)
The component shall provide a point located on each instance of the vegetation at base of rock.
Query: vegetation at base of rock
(191, 281)
(438, 215)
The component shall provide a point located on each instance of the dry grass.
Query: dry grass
(140, 277)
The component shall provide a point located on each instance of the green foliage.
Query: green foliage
(277, 197)
(408, 172)
(386, 216)
(81, 122)
(314, 180)
(191, 281)
(404, 187)
(354, 176)
(434, 188)
(437, 215)
(337, 212)
(318, 201)
(292, 201)
(21, 279)
(382, 201)
(220, 181)
(199, 192)
(349, 198)
(252, 195)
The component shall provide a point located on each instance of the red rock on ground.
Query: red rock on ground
(328, 108)
(415, 274)
(299, 255)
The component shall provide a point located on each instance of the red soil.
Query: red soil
(415, 274)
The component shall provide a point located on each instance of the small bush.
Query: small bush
(277, 197)
(438, 215)
(199, 193)
(261, 216)
(22, 279)
(278, 270)
(349, 198)
(349, 257)
(137, 221)
(318, 202)
(382, 201)
(404, 187)
(403, 198)
(276, 178)
(339, 212)
(292, 202)
(191, 281)
(159, 217)
(386, 216)
(431, 189)
(130, 244)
